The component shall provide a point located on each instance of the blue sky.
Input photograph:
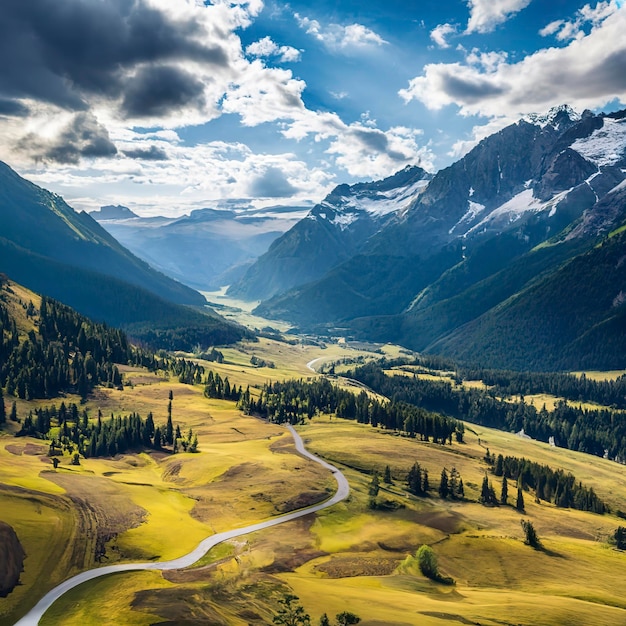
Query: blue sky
(170, 105)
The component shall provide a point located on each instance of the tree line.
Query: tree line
(69, 353)
(595, 431)
(549, 485)
(575, 388)
(291, 401)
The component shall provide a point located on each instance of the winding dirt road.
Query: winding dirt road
(36, 613)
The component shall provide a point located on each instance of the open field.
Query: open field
(156, 506)
(350, 556)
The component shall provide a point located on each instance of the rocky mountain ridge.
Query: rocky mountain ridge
(555, 183)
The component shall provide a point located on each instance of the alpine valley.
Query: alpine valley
(421, 422)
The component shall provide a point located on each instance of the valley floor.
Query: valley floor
(156, 506)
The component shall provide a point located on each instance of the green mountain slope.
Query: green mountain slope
(43, 223)
(575, 317)
(141, 313)
(49, 248)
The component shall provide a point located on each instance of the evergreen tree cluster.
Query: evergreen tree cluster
(594, 431)
(220, 388)
(69, 353)
(70, 429)
(549, 485)
(450, 484)
(293, 400)
(188, 372)
(575, 388)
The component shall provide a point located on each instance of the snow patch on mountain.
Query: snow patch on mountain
(348, 208)
(392, 201)
(518, 205)
(605, 146)
(474, 210)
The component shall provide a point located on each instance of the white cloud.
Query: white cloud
(440, 33)
(201, 74)
(267, 48)
(360, 148)
(587, 73)
(565, 30)
(337, 37)
(485, 15)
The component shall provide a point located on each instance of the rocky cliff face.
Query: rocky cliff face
(12, 559)
(331, 233)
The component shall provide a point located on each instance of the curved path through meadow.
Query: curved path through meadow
(36, 613)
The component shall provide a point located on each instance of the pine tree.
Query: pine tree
(519, 505)
(426, 485)
(324, 621)
(13, 415)
(530, 534)
(414, 479)
(387, 476)
(169, 429)
(443, 484)
(504, 494)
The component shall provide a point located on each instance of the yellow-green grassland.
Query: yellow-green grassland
(153, 506)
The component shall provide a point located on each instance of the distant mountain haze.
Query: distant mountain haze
(207, 249)
(53, 250)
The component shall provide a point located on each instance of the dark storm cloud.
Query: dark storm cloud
(82, 137)
(157, 90)
(61, 52)
(271, 184)
(469, 90)
(147, 154)
(13, 108)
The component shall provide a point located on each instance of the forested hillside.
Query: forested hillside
(49, 248)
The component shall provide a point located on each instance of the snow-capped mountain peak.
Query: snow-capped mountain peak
(555, 117)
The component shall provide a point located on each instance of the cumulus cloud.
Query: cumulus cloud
(485, 15)
(440, 34)
(266, 47)
(359, 148)
(272, 183)
(84, 76)
(337, 37)
(565, 30)
(153, 153)
(587, 73)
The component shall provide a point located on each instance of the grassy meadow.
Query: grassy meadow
(154, 506)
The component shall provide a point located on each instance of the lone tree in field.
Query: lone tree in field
(504, 494)
(427, 561)
(291, 613)
(530, 534)
(387, 476)
(519, 505)
(346, 618)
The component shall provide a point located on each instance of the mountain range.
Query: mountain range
(48, 247)
(503, 258)
(206, 249)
